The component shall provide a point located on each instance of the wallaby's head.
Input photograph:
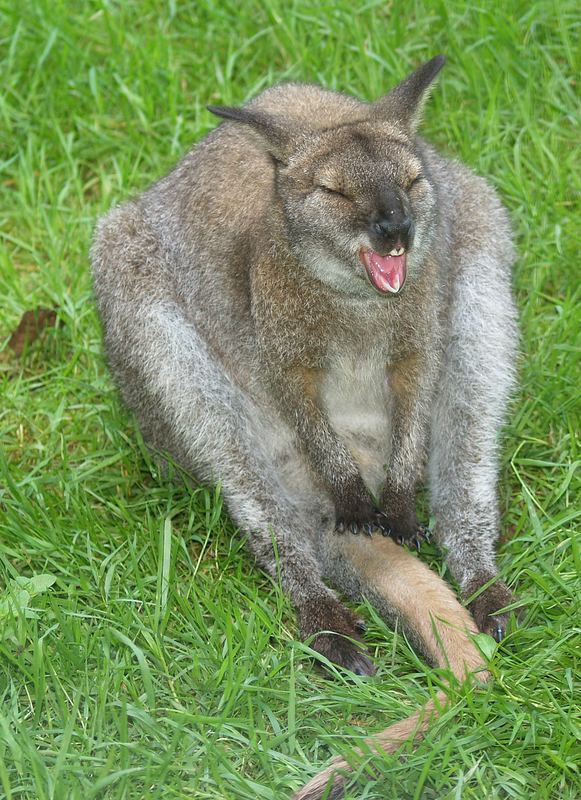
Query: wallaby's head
(357, 200)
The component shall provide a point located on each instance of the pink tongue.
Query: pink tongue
(387, 273)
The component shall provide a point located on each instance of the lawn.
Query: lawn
(142, 655)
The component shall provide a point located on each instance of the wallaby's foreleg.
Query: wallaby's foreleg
(473, 388)
(327, 454)
(411, 384)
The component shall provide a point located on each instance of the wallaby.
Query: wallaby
(314, 310)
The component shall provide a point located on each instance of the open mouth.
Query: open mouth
(386, 273)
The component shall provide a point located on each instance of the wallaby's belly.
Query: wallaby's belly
(356, 396)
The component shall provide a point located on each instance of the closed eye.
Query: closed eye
(418, 179)
(330, 190)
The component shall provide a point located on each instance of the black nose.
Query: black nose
(393, 231)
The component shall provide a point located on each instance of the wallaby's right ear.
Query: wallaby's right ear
(275, 133)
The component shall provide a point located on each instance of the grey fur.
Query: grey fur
(245, 336)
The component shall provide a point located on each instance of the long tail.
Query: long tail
(400, 585)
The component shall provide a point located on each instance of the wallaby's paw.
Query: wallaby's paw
(484, 608)
(344, 653)
(400, 517)
(416, 539)
(406, 530)
(356, 511)
(366, 519)
(339, 636)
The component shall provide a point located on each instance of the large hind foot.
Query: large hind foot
(486, 606)
(337, 632)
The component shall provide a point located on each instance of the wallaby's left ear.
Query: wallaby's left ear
(404, 104)
(276, 134)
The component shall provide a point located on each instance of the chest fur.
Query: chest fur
(355, 393)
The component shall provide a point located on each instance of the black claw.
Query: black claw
(415, 540)
(381, 522)
(378, 523)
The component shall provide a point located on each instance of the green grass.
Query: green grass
(156, 661)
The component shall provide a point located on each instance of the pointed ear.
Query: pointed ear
(274, 131)
(405, 103)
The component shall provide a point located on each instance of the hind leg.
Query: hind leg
(473, 389)
(188, 405)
